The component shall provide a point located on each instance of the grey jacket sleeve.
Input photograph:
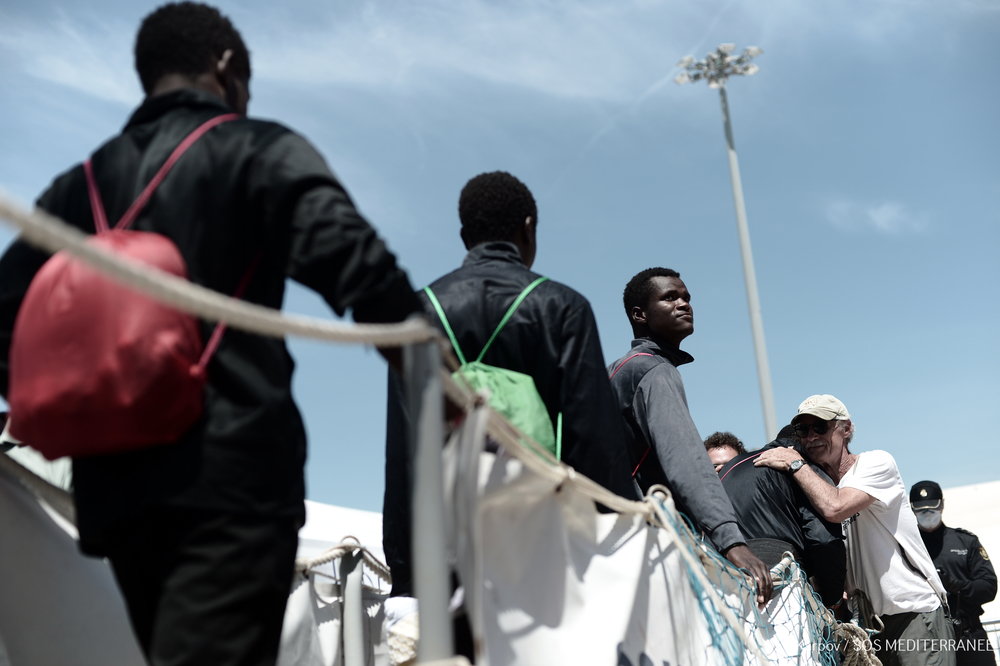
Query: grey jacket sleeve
(661, 410)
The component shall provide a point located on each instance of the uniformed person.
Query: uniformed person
(965, 570)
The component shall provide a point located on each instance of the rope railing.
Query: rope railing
(52, 234)
(348, 545)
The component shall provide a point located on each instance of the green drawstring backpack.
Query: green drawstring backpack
(512, 394)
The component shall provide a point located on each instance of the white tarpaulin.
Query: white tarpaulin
(60, 608)
(556, 582)
(550, 580)
(57, 607)
(314, 623)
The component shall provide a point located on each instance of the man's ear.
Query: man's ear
(222, 66)
(528, 242)
(637, 315)
(526, 234)
(465, 241)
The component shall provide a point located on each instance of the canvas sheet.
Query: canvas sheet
(312, 632)
(550, 580)
(58, 607)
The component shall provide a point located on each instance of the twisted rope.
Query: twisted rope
(853, 641)
(348, 544)
(857, 646)
(52, 234)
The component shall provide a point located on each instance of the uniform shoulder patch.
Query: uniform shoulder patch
(982, 554)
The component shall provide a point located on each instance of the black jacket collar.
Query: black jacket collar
(493, 251)
(675, 356)
(154, 107)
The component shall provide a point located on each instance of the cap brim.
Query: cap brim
(818, 412)
(926, 504)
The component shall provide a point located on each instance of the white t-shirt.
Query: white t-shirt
(875, 562)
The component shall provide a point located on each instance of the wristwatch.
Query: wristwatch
(796, 465)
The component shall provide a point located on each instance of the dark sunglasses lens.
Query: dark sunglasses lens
(820, 428)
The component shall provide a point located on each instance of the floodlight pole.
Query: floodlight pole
(716, 69)
(750, 279)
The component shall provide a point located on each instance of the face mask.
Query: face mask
(929, 520)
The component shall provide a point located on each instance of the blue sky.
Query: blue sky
(868, 145)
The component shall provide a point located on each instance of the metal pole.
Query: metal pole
(421, 365)
(749, 278)
(353, 630)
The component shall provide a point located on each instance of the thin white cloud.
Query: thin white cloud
(884, 217)
(589, 50)
(81, 53)
(574, 50)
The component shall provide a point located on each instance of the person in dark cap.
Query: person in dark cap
(965, 570)
(776, 517)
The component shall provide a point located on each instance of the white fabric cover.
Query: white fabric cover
(60, 608)
(57, 608)
(549, 580)
(311, 635)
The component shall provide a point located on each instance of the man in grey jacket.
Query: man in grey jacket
(663, 444)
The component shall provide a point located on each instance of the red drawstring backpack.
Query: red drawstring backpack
(97, 367)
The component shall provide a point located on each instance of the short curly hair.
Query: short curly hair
(639, 288)
(717, 440)
(493, 206)
(186, 38)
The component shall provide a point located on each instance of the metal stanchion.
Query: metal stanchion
(353, 630)
(421, 364)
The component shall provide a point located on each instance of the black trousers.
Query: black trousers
(974, 648)
(205, 587)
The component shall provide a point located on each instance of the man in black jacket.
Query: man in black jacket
(776, 516)
(965, 570)
(663, 444)
(552, 337)
(202, 533)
